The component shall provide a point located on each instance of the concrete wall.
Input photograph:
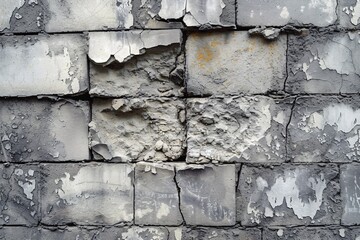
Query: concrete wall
(176, 119)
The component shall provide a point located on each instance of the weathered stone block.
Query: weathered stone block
(95, 194)
(349, 13)
(39, 65)
(9, 233)
(233, 63)
(43, 130)
(139, 129)
(324, 129)
(281, 12)
(220, 234)
(237, 129)
(329, 233)
(152, 61)
(19, 195)
(324, 62)
(350, 190)
(288, 195)
(207, 194)
(156, 195)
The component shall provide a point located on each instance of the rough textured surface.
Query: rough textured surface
(324, 62)
(324, 129)
(281, 12)
(19, 195)
(156, 195)
(152, 61)
(95, 194)
(349, 13)
(350, 190)
(288, 195)
(49, 65)
(220, 234)
(234, 63)
(138, 129)
(207, 194)
(43, 130)
(237, 129)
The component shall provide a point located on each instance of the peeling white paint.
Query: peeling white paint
(200, 12)
(6, 10)
(171, 9)
(284, 13)
(353, 12)
(28, 186)
(163, 211)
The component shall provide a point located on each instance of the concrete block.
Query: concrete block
(9, 233)
(219, 234)
(237, 129)
(43, 130)
(43, 65)
(19, 195)
(138, 129)
(349, 13)
(324, 129)
(350, 190)
(324, 62)
(320, 13)
(152, 61)
(231, 63)
(156, 195)
(90, 194)
(207, 194)
(289, 195)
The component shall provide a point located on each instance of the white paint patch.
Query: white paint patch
(171, 9)
(6, 10)
(178, 234)
(163, 211)
(196, 14)
(353, 12)
(280, 232)
(28, 187)
(342, 233)
(284, 13)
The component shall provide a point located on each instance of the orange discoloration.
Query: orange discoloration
(206, 53)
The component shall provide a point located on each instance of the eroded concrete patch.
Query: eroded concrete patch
(350, 192)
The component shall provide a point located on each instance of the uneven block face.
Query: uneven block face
(19, 195)
(139, 129)
(333, 233)
(246, 129)
(281, 12)
(324, 62)
(207, 194)
(152, 61)
(39, 130)
(156, 195)
(288, 195)
(54, 64)
(233, 63)
(19, 233)
(349, 13)
(324, 129)
(219, 234)
(349, 178)
(87, 194)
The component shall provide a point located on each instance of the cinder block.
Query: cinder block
(350, 190)
(207, 194)
(43, 65)
(320, 13)
(43, 130)
(156, 195)
(349, 13)
(19, 196)
(231, 63)
(324, 129)
(90, 194)
(237, 129)
(289, 195)
(136, 63)
(138, 129)
(324, 62)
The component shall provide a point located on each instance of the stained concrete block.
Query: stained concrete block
(288, 195)
(156, 195)
(324, 62)
(237, 129)
(10, 233)
(43, 65)
(94, 194)
(207, 194)
(138, 129)
(19, 195)
(349, 13)
(231, 63)
(320, 13)
(219, 234)
(43, 130)
(324, 129)
(152, 61)
(350, 190)
(329, 233)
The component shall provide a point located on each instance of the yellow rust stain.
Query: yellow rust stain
(207, 53)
